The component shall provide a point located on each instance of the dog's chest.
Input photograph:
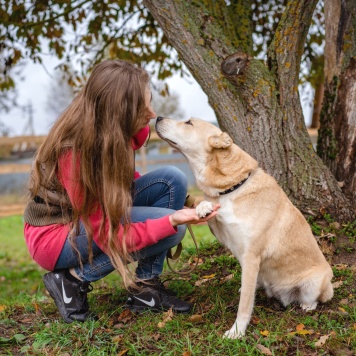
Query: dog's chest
(231, 230)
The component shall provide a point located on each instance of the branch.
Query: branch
(38, 23)
(287, 47)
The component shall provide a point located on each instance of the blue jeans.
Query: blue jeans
(156, 194)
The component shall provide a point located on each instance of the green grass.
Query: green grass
(30, 323)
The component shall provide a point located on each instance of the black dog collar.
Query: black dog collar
(238, 185)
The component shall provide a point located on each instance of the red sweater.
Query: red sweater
(45, 243)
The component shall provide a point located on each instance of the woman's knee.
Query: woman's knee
(176, 177)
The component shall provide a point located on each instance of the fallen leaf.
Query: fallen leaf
(196, 318)
(342, 310)
(125, 316)
(344, 301)
(2, 308)
(264, 333)
(210, 276)
(299, 327)
(200, 282)
(156, 337)
(117, 338)
(195, 261)
(264, 349)
(26, 320)
(227, 278)
(301, 331)
(187, 353)
(167, 316)
(123, 352)
(338, 284)
(37, 308)
(254, 320)
(341, 267)
(322, 340)
(304, 332)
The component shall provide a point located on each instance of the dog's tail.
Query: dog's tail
(326, 290)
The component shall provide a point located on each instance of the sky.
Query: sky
(35, 89)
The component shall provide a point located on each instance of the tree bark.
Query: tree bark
(337, 133)
(259, 106)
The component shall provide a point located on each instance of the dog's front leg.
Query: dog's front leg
(250, 268)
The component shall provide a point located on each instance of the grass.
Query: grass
(30, 323)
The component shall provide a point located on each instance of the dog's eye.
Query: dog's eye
(188, 123)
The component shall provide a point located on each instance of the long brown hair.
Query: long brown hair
(99, 124)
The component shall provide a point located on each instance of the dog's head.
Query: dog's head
(216, 161)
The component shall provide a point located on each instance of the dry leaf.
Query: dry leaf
(301, 331)
(254, 320)
(338, 284)
(304, 332)
(344, 301)
(264, 333)
(227, 278)
(299, 327)
(125, 316)
(342, 310)
(2, 308)
(264, 349)
(117, 338)
(167, 316)
(123, 352)
(200, 282)
(187, 353)
(322, 340)
(195, 261)
(210, 276)
(196, 318)
(341, 267)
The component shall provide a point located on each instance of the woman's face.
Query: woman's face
(149, 112)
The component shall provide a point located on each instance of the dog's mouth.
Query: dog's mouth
(166, 139)
(170, 141)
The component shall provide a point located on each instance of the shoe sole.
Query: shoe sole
(56, 296)
(141, 309)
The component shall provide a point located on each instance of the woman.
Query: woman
(89, 212)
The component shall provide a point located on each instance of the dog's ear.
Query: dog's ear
(220, 141)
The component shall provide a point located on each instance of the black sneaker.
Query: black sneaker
(69, 296)
(153, 296)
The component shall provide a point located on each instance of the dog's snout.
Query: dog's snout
(159, 118)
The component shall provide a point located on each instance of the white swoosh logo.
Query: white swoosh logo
(65, 298)
(150, 303)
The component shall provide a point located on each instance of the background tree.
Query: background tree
(259, 107)
(60, 94)
(337, 138)
(166, 103)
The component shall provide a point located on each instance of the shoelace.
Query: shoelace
(161, 288)
(83, 289)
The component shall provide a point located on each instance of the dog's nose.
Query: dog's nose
(159, 118)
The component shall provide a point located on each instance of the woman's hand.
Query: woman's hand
(189, 216)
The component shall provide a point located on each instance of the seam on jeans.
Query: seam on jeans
(160, 180)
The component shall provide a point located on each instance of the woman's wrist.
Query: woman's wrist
(172, 220)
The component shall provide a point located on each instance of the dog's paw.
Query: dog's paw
(204, 208)
(310, 306)
(233, 333)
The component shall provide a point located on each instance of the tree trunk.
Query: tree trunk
(318, 102)
(258, 106)
(337, 134)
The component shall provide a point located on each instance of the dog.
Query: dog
(257, 222)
